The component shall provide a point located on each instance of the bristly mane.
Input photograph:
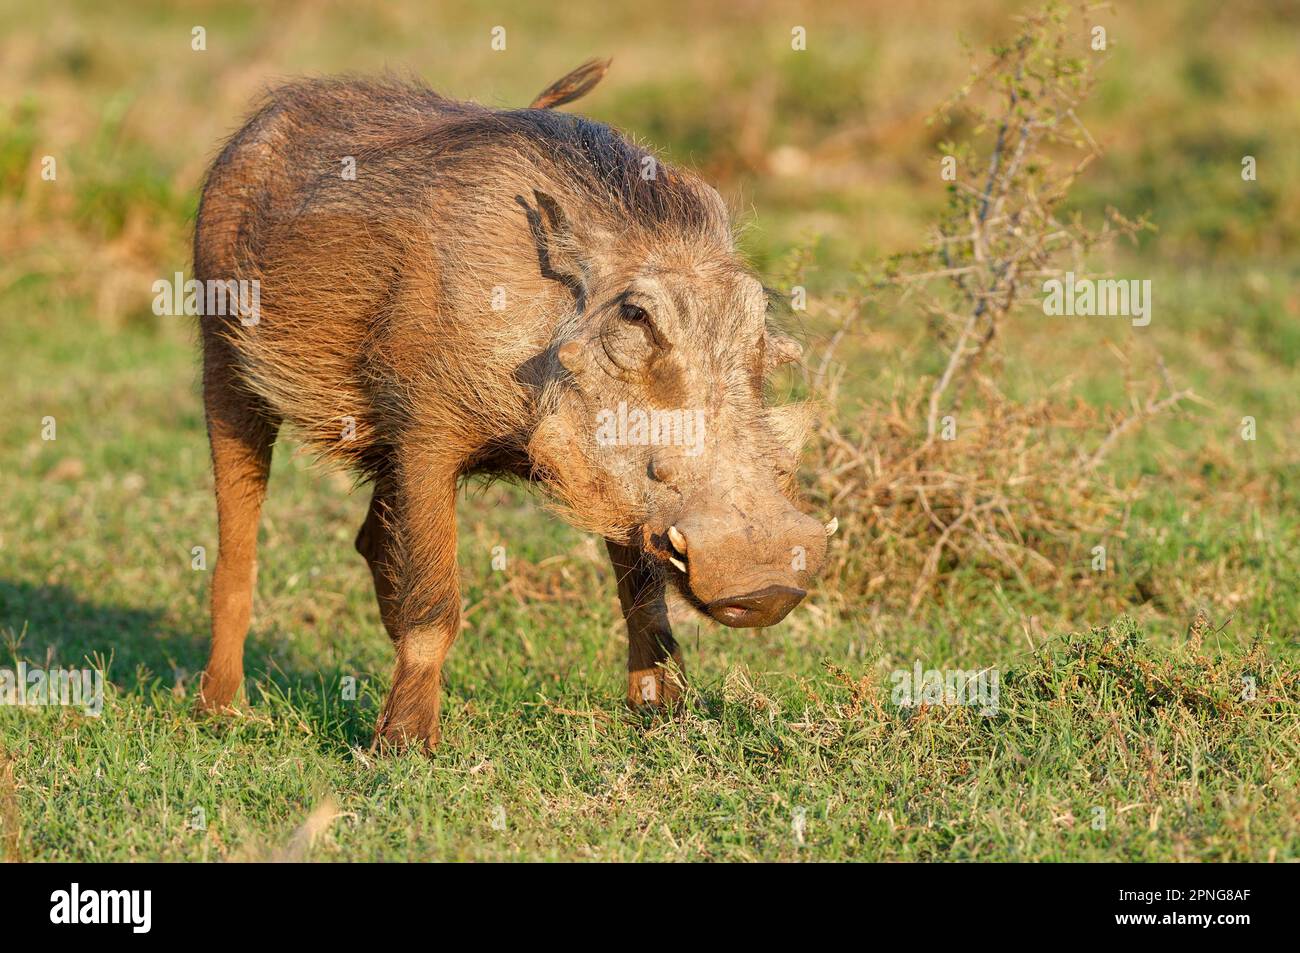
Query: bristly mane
(601, 160)
(372, 118)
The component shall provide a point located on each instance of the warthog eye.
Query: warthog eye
(636, 315)
(631, 312)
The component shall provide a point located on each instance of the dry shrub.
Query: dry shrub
(951, 472)
(1021, 495)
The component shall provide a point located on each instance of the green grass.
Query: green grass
(1101, 749)
(95, 563)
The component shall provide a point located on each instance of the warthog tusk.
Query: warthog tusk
(677, 562)
(677, 539)
(832, 526)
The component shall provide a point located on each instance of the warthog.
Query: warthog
(448, 290)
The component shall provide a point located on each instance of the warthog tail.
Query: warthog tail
(572, 85)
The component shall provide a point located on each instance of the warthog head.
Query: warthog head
(655, 430)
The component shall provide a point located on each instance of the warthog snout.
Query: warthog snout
(757, 609)
(746, 566)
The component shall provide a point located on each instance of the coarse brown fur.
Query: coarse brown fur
(484, 287)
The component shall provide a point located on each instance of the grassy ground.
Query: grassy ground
(1128, 739)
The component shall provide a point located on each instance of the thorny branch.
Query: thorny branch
(1014, 495)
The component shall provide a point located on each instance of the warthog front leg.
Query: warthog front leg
(654, 664)
(428, 612)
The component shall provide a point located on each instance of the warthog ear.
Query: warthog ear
(558, 249)
(792, 424)
(781, 350)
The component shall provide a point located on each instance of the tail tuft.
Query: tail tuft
(572, 86)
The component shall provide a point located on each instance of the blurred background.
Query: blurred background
(828, 145)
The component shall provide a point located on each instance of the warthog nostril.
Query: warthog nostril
(756, 609)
